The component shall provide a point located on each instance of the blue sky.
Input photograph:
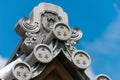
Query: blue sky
(98, 19)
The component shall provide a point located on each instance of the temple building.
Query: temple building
(47, 48)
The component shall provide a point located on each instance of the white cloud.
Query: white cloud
(90, 73)
(2, 61)
(107, 45)
(109, 41)
(116, 7)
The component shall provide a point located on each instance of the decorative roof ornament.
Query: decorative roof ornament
(45, 35)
